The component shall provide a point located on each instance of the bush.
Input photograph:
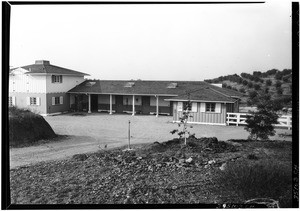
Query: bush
(259, 179)
(26, 127)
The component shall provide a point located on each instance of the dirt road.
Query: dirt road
(91, 132)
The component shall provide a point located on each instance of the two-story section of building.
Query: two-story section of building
(42, 87)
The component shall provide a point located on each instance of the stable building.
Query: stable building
(210, 103)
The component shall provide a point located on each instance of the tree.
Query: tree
(260, 123)
(266, 90)
(278, 75)
(250, 84)
(252, 98)
(184, 132)
(268, 82)
(256, 86)
(278, 84)
(245, 82)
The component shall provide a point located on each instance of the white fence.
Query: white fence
(240, 119)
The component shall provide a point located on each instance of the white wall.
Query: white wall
(27, 83)
(68, 83)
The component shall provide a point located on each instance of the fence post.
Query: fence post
(129, 134)
(237, 119)
(288, 121)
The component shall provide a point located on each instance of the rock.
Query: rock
(223, 166)
(211, 162)
(80, 157)
(181, 160)
(269, 203)
(189, 160)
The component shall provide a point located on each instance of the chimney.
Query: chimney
(42, 62)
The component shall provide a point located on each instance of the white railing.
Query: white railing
(240, 119)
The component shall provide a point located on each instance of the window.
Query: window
(57, 100)
(33, 101)
(10, 101)
(56, 78)
(194, 107)
(210, 107)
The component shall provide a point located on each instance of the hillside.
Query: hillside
(275, 82)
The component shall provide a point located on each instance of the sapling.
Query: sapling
(184, 132)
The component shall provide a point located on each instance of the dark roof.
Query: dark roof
(45, 67)
(199, 90)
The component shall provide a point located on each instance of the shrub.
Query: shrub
(26, 127)
(259, 179)
(242, 90)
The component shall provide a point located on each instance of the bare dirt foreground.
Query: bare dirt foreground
(83, 134)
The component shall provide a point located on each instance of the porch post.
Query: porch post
(110, 104)
(89, 104)
(133, 107)
(157, 106)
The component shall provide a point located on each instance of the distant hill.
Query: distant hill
(275, 82)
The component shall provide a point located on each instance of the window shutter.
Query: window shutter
(218, 107)
(38, 101)
(179, 106)
(60, 78)
(61, 98)
(53, 78)
(53, 100)
(202, 107)
(13, 99)
(194, 107)
(28, 100)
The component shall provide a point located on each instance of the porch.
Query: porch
(121, 103)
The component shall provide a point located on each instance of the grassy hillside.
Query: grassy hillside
(275, 82)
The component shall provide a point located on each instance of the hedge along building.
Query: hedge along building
(210, 103)
(42, 87)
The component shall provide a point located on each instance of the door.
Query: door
(119, 103)
(94, 103)
(145, 104)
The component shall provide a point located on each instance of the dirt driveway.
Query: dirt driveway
(92, 132)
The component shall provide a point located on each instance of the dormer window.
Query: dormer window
(172, 86)
(129, 84)
(90, 83)
(56, 78)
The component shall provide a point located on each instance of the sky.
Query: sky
(154, 42)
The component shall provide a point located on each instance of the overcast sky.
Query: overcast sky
(154, 42)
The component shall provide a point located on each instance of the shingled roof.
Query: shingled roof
(43, 66)
(198, 90)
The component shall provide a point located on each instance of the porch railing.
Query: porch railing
(237, 119)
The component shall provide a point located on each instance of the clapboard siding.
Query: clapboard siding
(203, 117)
